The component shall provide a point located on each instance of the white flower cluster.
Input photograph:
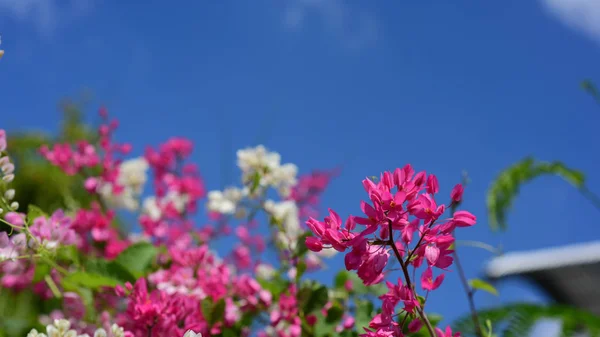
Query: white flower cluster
(226, 202)
(7, 173)
(286, 214)
(132, 176)
(191, 333)
(153, 207)
(254, 163)
(62, 328)
(268, 166)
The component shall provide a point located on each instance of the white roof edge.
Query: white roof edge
(547, 258)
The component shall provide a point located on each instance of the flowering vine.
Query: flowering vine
(173, 278)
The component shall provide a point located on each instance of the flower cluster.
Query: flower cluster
(7, 174)
(62, 328)
(402, 204)
(176, 278)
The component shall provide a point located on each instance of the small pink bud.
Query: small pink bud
(91, 184)
(457, 193)
(348, 285)
(433, 186)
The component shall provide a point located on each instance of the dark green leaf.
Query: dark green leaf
(206, 307)
(218, 311)
(334, 314)
(317, 299)
(341, 278)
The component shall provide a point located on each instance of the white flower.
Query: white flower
(132, 176)
(150, 208)
(35, 333)
(284, 178)
(225, 202)
(60, 328)
(286, 212)
(258, 158)
(9, 194)
(117, 331)
(138, 237)
(100, 333)
(191, 333)
(268, 166)
(133, 173)
(265, 271)
(153, 207)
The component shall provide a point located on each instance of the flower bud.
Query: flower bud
(457, 193)
(9, 194)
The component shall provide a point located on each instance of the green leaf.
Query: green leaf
(505, 188)
(34, 212)
(110, 269)
(69, 254)
(300, 269)
(91, 281)
(218, 311)
(275, 286)
(341, 278)
(255, 182)
(302, 249)
(41, 270)
(364, 314)
(137, 258)
(230, 333)
(359, 288)
(483, 285)
(334, 314)
(317, 299)
(206, 306)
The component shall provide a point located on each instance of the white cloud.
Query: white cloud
(354, 27)
(581, 15)
(45, 15)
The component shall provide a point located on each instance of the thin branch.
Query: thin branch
(408, 281)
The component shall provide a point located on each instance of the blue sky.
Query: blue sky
(371, 85)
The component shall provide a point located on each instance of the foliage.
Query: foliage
(507, 185)
(517, 320)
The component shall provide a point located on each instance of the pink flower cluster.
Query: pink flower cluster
(71, 160)
(178, 187)
(402, 204)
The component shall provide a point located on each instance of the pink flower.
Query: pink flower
(15, 219)
(464, 219)
(415, 325)
(427, 282)
(2, 140)
(447, 333)
(371, 270)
